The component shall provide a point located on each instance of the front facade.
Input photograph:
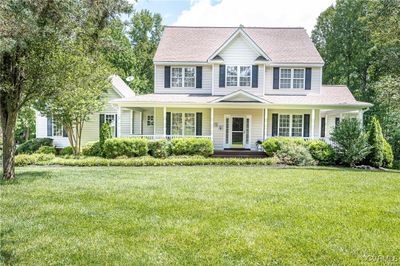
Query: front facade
(236, 86)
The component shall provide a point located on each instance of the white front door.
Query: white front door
(237, 131)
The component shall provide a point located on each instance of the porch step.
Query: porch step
(238, 153)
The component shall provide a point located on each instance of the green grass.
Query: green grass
(200, 215)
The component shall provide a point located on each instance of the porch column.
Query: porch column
(154, 122)
(265, 123)
(312, 123)
(165, 121)
(119, 122)
(212, 123)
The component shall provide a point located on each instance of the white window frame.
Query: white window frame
(53, 124)
(183, 77)
(292, 77)
(238, 75)
(291, 125)
(150, 119)
(112, 125)
(183, 123)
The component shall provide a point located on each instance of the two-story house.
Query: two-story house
(236, 86)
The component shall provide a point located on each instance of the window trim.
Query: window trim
(111, 125)
(292, 78)
(147, 120)
(291, 125)
(52, 128)
(238, 75)
(183, 122)
(183, 77)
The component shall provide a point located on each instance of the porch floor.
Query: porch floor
(238, 153)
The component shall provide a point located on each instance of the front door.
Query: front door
(237, 132)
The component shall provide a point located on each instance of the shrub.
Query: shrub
(32, 145)
(105, 134)
(293, 153)
(321, 151)
(376, 141)
(159, 148)
(92, 149)
(351, 144)
(67, 151)
(131, 147)
(387, 155)
(29, 159)
(272, 145)
(46, 150)
(192, 146)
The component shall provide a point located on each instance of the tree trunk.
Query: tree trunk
(8, 123)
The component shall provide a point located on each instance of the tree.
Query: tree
(25, 124)
(31, 32)
(145, 33)
(351, 143)
(376, 141)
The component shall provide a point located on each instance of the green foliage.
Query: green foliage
(67, 151)
(274, 144)
(388, 157)
(131, 147)
(25, 129)
(92, 149)
(33, 145)
(351, 145)
(47, 150)
(192, 146)
(292, 153)
(376, 141)
(32, 159)
(105, 134)
(321, 151)
(159, 148)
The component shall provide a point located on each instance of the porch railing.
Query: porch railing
(151, 137)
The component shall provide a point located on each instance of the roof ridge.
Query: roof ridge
(230, 27)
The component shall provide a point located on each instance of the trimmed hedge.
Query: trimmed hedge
(92, 149)
(192, 146)
(321, 151)
(32, 145)
(274, 144)
(130, 147)
(47, 150)
(292, 153)
(36, 158)
(67, 151)
(159, 148)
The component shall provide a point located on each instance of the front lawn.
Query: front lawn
(199, 215)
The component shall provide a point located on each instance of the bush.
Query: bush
(293, 153)
(321, 151)
(131, 147)
(388, 156)
(274, 144)
(351, 146)
(159, 148)
(192, 146)
(376, 141)
(29, 159)
(47, 150)
(92, 149)
(105, 134)
(67, 151)
(31, 146)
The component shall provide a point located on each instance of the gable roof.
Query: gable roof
(197, 44)
(121, 87)
(239, 96)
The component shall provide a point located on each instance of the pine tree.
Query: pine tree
(377, 142)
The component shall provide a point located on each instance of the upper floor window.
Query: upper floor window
(238, 76)
(292, 78)
(183, 77)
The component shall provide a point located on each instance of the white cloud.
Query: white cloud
(261, 13)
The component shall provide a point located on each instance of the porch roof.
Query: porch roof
(330, 96)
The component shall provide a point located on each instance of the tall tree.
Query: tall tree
(145, 33)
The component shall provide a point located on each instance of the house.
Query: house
(235, 86)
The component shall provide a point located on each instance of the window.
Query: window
(297, 125)
(110, 119)
(292, 78)
(57, 128)
(238, 76)
(284, 125)
(183, 124)
(183, 77)
(150, 120)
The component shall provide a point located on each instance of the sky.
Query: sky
(257, 13)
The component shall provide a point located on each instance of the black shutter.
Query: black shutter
(337, 121)
(322, 127)
(199, 77)
(254, 77)
(101, 122)
(306, 133)
(199, 124)
(168, 122)
(275, 86)
(49, 126)
(116, 125)
(308, 78)
(222, 76)
(274, 125)
(167, 77)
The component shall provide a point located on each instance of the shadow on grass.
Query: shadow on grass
(7, 256)
(26, 177)
(342, 169)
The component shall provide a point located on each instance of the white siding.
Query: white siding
(41, 131)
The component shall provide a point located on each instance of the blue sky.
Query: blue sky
(261, 13)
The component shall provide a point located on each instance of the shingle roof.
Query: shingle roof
(197, 44)
(330, 95)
